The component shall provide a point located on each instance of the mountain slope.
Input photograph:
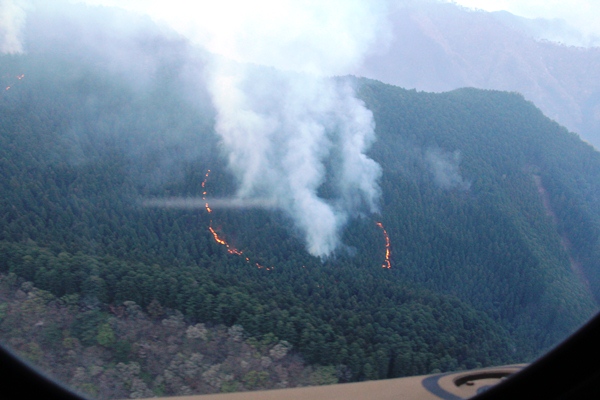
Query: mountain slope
(488, 206)
(477, 161)
(440, 46)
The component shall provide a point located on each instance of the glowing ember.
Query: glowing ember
(386, 263)
(230, 250)
(216, 236)
(19, 77)
(235, 251)
(204, 183)
(218, 239)
(208, 209)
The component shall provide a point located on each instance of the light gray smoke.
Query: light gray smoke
(292, 134)
(288, 132)
(445, 168)
(282, 131)
(194, 203)
(12, 20)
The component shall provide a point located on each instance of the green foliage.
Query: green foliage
(87, 327)
(3, 308)
(325, 376)
(254, 379)
(106, 335)
(32, 353)
(88, 388)
(122, 351)
(230, 387)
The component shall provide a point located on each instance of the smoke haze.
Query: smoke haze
(284, 131)
(445, 168)
(288, 129)
(193, 203)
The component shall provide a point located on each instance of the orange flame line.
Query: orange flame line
(218, 239)
(387, 264)
(205, 179)
(230, 250)
(235, 251)
(19, 77)
(216, 236)
(208, 209)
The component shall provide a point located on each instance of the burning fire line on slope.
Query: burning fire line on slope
(230, 250)
(387, 264)
(19, 77)
(218, 239)
(208, 209)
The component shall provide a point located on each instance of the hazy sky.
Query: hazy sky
(202, 19)
(247, 30)
(582, 14)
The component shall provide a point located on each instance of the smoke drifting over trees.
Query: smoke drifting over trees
(286, 131)
(283, 130)
(280, 141)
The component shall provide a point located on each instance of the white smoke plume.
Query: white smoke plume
(282, 130)
(286, 126)
(12, 20)
(285, 132)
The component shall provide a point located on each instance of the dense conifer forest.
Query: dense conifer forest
(492, 212)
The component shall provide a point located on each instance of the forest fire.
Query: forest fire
(19, 77)
(387, 264)
(208, 209)
(218, 239)
(204, 181)
(230, 250)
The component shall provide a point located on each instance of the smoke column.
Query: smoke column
(280, 130)
(286, 126)
(285, 131)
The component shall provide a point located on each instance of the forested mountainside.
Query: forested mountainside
(491, 210)
(440, 46)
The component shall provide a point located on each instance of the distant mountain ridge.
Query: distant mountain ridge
(440, 46)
